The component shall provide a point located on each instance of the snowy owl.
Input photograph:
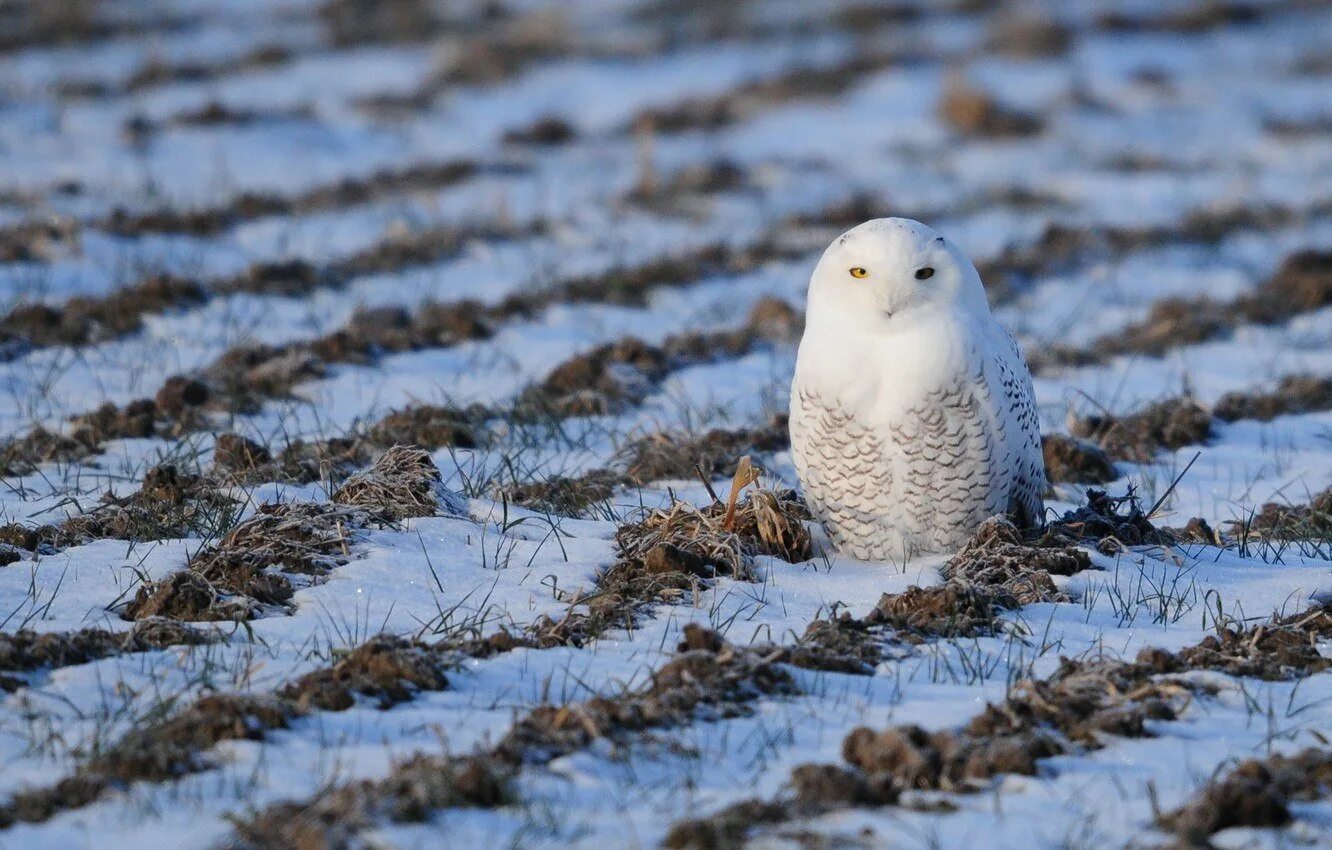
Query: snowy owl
(912, 413)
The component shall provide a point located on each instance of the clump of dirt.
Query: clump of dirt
(1112, 521)
(410, 793)
(239, 455)
(153, 753)
(1083, 701)
(22, 455)
(1169, 424)
(970, 111)
(1171, 322)
(1277, 521)
(841, 644)
(600, 382)
(1295, 394)
(708, 679)
(1283, 648)
(903, 758)
(1255, 793)
(322, 460)
(26, 650)
(918, 614)
(168, 505)
(997, 559)
(186, 596)
(726, 829)
(1302, 283)
(547, 130)
(138, 419)
(250, 565)
(1069, 460)
(386, 668)
(404, 482)
(561, 495)
(687, 188)
(86, 319)
(666, 456)
(431, 427)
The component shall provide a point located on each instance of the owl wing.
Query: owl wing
(1019, 427)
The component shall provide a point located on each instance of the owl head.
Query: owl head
(878, 274)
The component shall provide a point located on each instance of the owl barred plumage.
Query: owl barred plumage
(912, 413)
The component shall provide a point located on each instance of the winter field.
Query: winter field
(376, 380)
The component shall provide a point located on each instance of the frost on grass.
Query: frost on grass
(403, 483)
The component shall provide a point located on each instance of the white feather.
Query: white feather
(912, 417)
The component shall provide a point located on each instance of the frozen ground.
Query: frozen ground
(650, 169)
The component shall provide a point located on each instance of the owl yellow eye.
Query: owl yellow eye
(859, 272)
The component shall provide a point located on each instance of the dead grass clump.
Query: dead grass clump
(1172, 322)
(600, 382)
(996, 558)
(1170, 424)
(87, 319)
(1255, 793)
(1295, 394)
(1070, 460)
(322, 460)
(26, 650)
(671, 456)
(431, 427)
(412, 790)
(561, 495)
(1302, 283)
(137, 419)
(239, 455)
(686, 190)
(404, 482)
(22, 455)
(1083, 701)
(386, 668)
(186, 596)
(766, 522)
(709, 679)
(841, 644)
(1283, 648)
(1112, 521)
(1277, 521)
(169, 505)
(726, 829)
(949, 610)
(904, 758)
(970, 111)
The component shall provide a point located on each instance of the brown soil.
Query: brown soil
(39, 241)
(1170, 424)
(169, 505)
(547, 130)
(249, 567)
(22, 455)
(1254, 793)
(949, 610)
(668, 456)
(708, 679)
(1295, 394)
(1069, 460)
(996, 558)
(86, 319)
(1283, 648)
(385, 668)
(563, 496)
(26, 650)
(412, 790)
(725, 830)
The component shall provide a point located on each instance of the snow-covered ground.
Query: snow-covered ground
(1191, 144)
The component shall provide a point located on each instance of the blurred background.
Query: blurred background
(358, 205)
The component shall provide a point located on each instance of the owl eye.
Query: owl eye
(925, 273)
(859, 272)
